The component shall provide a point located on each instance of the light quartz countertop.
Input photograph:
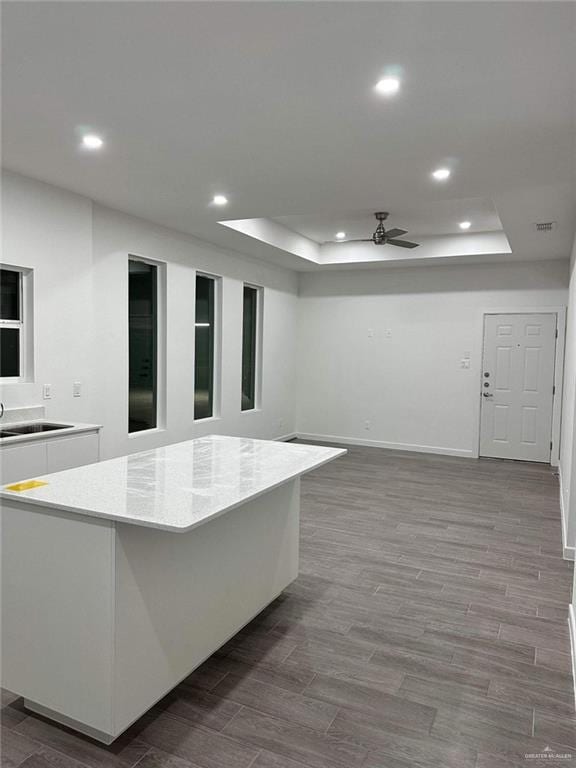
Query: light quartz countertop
(177, 487)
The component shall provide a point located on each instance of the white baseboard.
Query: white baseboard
(285, 438)
(568, 552)
(391, 446)
(572, 628)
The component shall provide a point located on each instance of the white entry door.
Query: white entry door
(517, 386)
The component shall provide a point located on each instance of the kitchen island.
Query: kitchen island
(120, 578)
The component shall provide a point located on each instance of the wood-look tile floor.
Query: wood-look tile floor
(428, 629)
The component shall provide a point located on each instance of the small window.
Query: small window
(142, 345)
(204, 334)
(10, 355)
(249, 347)
(12, 339)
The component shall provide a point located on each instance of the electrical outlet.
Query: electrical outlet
(465, 363)
(76, 389)
(47, 391)
(370, 333)
(388, 333)
(367, 424)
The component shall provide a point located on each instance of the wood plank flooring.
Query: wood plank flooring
(427, 629)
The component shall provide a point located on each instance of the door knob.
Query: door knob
(487, 394)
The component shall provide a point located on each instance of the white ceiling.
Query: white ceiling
(272, 105)
(426, 217)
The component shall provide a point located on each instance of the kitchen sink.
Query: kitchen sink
(31, 429)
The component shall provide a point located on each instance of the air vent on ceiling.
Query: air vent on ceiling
(544, 226)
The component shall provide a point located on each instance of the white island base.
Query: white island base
(102, 618)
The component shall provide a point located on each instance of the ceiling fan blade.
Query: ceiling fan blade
(366, 240)
(395, 232)
(402, 243)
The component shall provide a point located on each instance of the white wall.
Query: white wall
(79, 252)
(408, 385)
(116, 235)
(50, 231)
(568, 448)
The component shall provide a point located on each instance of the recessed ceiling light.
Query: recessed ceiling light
(388, 86)
(220, 200)
(91, 141)
(465, 224)
(441, 174)
(340, 235)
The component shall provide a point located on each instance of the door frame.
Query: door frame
(560, 312)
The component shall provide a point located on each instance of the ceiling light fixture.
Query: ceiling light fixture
(91, 141)
(465, 224)
(340, 235)
(441, 174)
(388, 86)
(220, 200)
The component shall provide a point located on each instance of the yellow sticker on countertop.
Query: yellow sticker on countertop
(28, 485)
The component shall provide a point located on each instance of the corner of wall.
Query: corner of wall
(566, 469)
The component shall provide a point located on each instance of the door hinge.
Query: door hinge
(554, 389)
(550, 444)
(556, 335)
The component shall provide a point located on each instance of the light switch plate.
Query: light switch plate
(47, 391)
(76, 389)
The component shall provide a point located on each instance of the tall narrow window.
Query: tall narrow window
(11, 324)
(249, 347)
(143, 345)
(204, 348)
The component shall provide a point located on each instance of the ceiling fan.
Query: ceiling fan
(382, 236)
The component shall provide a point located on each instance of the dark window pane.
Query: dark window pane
(249, 348)
(9, 352)
(143, 333)
(9, 294)
(204, 348)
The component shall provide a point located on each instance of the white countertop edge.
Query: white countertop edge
(14, 496)
(71, 429)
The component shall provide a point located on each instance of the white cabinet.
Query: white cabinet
(68, 452)
(20, 461)
(117, 615)
(52, 454)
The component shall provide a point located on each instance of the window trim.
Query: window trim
(258, 356)
(217, 356)
(161, 344)
(25, 325)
